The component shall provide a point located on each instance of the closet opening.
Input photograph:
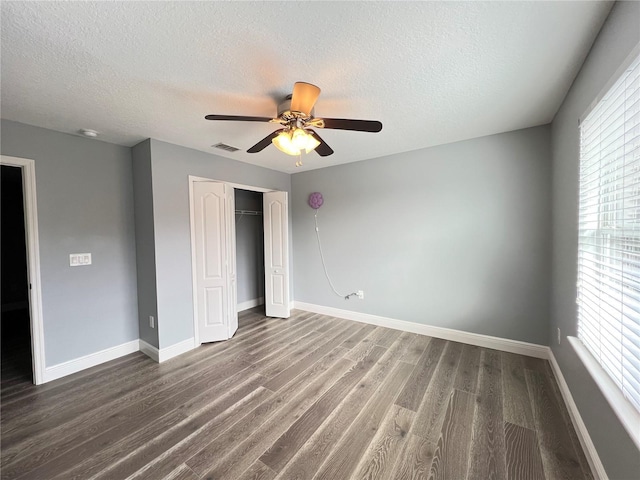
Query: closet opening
(249, 250)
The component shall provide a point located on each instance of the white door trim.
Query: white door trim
(194, 277)
(33, 262)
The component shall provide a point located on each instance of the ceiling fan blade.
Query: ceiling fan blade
(265, 142)
(304, 97)
(357, 125)
(238, 118)
(323, 149)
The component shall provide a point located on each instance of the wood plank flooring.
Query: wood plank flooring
(310, 397)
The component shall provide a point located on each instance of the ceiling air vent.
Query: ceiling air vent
(224, 146)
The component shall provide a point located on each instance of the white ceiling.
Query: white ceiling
(431, 72)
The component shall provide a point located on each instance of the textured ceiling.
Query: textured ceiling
(431, 72)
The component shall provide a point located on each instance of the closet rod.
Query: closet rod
(248, 212)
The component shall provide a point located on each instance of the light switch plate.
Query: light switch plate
(79, 259)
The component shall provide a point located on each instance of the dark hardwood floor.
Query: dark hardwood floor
(308, 397)
(15, 349)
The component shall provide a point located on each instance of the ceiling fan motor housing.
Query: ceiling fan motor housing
(284, 111)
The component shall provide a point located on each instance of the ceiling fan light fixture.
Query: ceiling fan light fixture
(283, 142)
(293, 142)
(296, 119)
(303, 140)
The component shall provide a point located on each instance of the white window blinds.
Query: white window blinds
(609, 233)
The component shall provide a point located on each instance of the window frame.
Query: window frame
(626, 412)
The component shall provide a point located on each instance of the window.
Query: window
(609, 233)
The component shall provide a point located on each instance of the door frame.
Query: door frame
(33, 262)
(193, 179)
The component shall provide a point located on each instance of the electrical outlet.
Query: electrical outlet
(559, 336)
(152, 322)
(360, 294)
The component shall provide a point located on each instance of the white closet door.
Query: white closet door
(276, 254)
(211, 243)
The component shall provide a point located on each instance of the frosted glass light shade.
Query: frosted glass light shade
(293, 142)
(303, 140)
(283, 143)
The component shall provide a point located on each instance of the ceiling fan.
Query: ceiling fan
(295, 114)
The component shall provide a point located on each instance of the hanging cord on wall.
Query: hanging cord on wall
(324, 265)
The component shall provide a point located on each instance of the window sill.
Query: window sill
(624, 410)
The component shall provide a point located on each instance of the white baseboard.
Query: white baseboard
(176, 349)
(72, 366)
(149, 350)
(250, 304)
(581, 429)
(164, 354)
(486, 341)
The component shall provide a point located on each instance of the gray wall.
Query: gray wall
(171, 166)
(85, 204)
(455, 236)
(249, 246)
(620, 33)
(145, 241)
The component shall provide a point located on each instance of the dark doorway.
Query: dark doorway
(14, 294)
(249, 250)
